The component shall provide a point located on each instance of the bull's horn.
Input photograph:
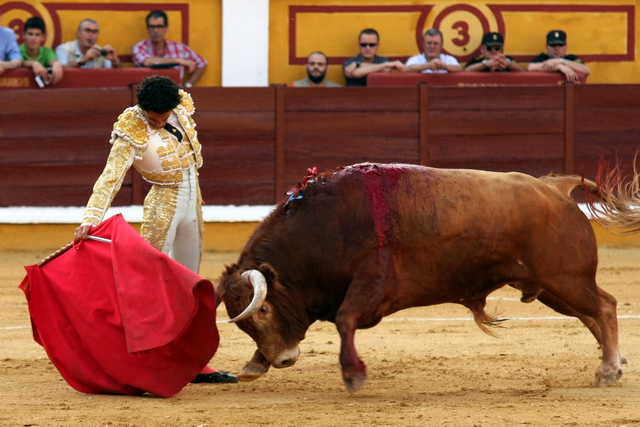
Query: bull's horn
(259, 283)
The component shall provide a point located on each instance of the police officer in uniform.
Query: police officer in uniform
(493, 58)
(556, 59)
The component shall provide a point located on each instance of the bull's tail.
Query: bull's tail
(619, 207)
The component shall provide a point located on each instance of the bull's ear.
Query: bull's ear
(230, 269)
(220, 287)
(219, 292)
(270, 274)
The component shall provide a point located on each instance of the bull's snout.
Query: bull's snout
(287, 358)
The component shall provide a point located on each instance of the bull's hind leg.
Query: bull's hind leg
(597, 310)
(559, 306)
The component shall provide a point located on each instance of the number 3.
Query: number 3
(463, 33)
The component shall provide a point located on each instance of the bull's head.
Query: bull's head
(263, 319)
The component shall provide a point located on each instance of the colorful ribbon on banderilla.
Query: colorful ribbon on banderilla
(297, 191)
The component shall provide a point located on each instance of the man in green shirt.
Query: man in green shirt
(42, 60)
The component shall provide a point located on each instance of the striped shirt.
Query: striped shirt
(145, 49)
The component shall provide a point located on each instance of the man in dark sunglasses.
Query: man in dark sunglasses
(492, 58)
(556, 59)
(357, 69)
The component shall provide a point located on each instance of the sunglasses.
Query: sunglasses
(494, 48)
(557, 45)
(368, 44)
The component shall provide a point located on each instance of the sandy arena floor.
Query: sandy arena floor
(427, 367)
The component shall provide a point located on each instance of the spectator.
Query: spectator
(159, 139)
(357, 69)
(158, 50)
(557, 60)
(42, 60)
(493, 58)
(10, 58)
(84, 52)
(317, 66)
(432, 60)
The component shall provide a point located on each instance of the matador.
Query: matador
(172, 218)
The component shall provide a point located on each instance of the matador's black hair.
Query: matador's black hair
(158, 94)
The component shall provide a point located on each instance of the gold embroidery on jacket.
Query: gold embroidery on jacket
(159, 211)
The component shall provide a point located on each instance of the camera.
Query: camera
(103, 52)
(40, 81)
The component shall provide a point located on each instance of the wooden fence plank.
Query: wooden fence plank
(495, 122)
(232, 98)
(496, 98)
(352, 99)
(358, 124)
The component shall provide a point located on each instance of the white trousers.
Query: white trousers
(183, 239)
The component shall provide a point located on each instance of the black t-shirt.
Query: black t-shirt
(478, 59)
(543, 57)
(358, 59)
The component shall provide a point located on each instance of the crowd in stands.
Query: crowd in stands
(85, 52)
(159, 52)
(492, 59)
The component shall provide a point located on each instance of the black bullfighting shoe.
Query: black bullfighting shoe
(218, 377)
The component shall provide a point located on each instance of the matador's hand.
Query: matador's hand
(82, 232)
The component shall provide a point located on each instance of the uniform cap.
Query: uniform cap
(556, 37)
(492, 39)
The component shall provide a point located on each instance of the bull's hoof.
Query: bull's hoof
(251, 372)
(355, 384)
(607, 379)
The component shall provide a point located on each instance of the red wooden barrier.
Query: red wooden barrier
(23, 78)
(258, 142)
(467, 79)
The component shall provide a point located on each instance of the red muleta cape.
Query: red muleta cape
(122, 317)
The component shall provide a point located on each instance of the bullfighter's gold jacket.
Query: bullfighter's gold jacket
(159, 158)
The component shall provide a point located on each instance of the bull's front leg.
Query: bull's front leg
(255, 368)
(354, 371)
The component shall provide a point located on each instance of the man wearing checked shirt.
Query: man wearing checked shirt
(158, 50)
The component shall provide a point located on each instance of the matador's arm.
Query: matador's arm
(108, 184)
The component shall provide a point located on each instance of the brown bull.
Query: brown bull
(357, 244)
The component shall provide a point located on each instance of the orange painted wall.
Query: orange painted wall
(122, 24)
(604, 33)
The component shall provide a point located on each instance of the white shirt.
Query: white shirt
(63, 53)
(420, 59)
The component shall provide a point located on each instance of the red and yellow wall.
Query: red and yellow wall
(603, 33)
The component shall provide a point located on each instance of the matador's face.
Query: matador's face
(157, 120)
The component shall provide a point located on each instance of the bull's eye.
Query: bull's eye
(263, 309)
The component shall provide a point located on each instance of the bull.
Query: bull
(354, 245)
